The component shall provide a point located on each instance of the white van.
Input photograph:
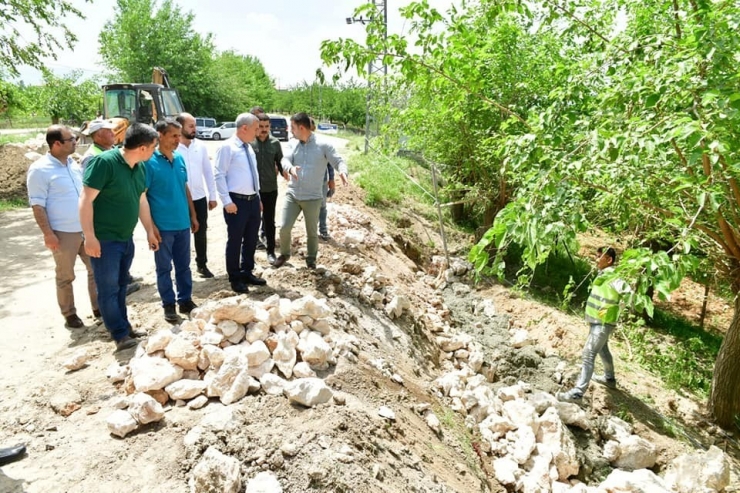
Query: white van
(203, 123)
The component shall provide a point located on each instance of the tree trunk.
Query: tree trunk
(724, 401)
(55, 120)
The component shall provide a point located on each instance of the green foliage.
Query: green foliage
(41, 22)
(12, 204)
(339, 103)
(69, 99)
(240, 82)
(385, 180)
(144, 34)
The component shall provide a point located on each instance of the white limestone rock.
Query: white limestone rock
(302, 370)
(285, 354)
(183, 351)
(198, 402)
(308, 392)
(553, 436)
(257, 331)
(158, 341)
(521, 413)
(237, 336)
(315, 351)
(219, 382)
(510, 393)
(458, 341)
(498, 425)
(237, 308)
(700, 471)
(397, 305)
(153, 373)
(145, 409)
(520, 338)
(272, 384)
(572, 415)
(506, 470)
(636, 453)
(542, 400)
(297, 326)
(121, 423)
(264, 482)
(640, 481)
(433, 422)
(475, 360)
(612, 428)
(321, 326)
(228, 327)
(185, 389)
(451, 384)
(214, 355)
(522, 443)
(119, 402)
(209, 337)
(241, 386)
(193, 326)
(257, 353)
(77, 360)
(117, 373)
(216, 472)
(261, 369)
(311, 307)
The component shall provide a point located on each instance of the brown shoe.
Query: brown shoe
(73, 322)
(280, 261)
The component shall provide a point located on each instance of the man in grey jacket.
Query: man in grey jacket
(306, 166)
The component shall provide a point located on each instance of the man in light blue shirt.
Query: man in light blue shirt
(306, 166)
(173, 215)
(54, 184)
(238, 185)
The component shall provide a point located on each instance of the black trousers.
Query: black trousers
(269, 202)
(199, 238)
(242, 229)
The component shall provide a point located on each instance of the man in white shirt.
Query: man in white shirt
(54, 184)
(237, 181)
(200, 180)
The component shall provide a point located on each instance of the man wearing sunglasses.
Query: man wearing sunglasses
(54, 184)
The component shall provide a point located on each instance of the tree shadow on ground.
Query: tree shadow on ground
(10, 485)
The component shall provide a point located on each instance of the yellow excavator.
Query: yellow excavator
(124, 104)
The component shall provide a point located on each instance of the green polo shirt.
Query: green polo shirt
(116, 208)
(269, 153)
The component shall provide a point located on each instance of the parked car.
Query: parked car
(224, 131)
(279, 127)
(203, 123)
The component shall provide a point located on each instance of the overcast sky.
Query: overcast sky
(284, 34)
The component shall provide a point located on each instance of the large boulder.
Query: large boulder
(153, 373)
(308, 392)
(699, 472)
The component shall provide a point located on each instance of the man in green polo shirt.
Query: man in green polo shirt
(112, 200)
(173, 214)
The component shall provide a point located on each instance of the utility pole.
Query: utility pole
(374, 66)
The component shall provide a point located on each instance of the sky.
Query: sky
(285, 35)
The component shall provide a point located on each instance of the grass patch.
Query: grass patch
(385, 180)
(39, 122)
(15, 138)
(11, 204)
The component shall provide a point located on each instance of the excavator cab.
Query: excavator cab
(125, 104)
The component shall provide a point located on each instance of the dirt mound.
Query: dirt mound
(14, 167)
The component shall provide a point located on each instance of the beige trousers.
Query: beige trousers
(70, 246)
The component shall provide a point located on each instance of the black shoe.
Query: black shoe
(250, 278)
(96, 313)
(132, 279)
(204, 272)
(136, 334)
(271, 258)
(169, 313)
(311, 265)
(325, 236)
(73, 322)
(10, 454)
(132, 288)
(239, 287)
(261, 246)
(125, 343)
(280, 261)
(187, 306)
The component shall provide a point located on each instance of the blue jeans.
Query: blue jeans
(597, 343)
(174, 248)
(111, 278)
(323, 229)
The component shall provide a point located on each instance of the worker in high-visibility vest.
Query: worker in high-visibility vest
(602, 313)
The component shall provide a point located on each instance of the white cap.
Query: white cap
(96, 125)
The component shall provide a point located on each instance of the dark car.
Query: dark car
(279, 127)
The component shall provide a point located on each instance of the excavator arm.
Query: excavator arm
(159, 76)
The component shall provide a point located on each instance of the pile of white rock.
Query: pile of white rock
(533, 451)
(233, 347)
(345, 222)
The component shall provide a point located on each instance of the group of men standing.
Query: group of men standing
(91, 210)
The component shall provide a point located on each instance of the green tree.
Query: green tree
(12, 102)
(240, 83)
(144, 34)
(68, 99)
(41, 18)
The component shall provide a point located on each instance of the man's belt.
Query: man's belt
(242, 196)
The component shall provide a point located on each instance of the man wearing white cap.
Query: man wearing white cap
(103, 138)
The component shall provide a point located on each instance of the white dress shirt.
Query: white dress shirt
(56, 187)
(236, 169)
(200, 170)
